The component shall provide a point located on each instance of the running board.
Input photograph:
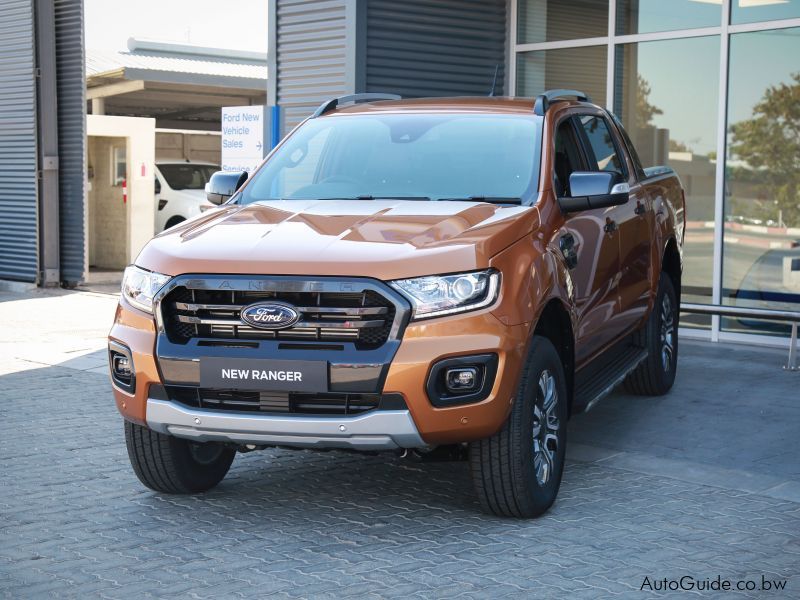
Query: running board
(598, 379)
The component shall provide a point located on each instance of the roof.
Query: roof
(165, 61)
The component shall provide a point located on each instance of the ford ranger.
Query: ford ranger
(413, 276)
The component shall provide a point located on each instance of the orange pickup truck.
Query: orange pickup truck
(429, 276)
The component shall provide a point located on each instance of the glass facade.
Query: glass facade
(761, 253)
(583, 67)
(663, 66)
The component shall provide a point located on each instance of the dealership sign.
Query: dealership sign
(242, 137)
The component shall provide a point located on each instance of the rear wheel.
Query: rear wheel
(517, 472)
(656, 374)
(173, 465)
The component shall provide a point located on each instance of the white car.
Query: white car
(180, 191)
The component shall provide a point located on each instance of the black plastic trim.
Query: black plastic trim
(117, 348)
(329, 105)
(438, 395)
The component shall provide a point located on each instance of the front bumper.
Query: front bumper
(423, 344)
(376, 430)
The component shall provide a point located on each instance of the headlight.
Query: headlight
(140, 286)
(439, 295)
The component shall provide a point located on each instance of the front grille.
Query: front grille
(363, 317)
(334, 404)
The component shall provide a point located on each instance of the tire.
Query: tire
(173, 221)
(508, 468)
(173, 465)
(656, 374)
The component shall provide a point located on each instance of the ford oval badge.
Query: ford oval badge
(269, 315)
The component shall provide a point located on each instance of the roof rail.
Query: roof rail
(329, 105)
(543, 100)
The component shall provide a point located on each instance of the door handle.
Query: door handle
(567, 245)
(610, 226)
(640, 209)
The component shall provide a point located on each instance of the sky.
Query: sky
(234, 24)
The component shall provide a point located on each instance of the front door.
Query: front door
(595, 275)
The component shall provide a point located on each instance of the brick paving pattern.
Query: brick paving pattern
(75, 522)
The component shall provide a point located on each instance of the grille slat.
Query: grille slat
(363, 317)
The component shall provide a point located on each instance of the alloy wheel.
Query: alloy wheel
(667, 334)
(545, 427)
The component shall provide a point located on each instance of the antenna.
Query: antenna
(494, 81)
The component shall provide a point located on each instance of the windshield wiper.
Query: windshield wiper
(488, 199)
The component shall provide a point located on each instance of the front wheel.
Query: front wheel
(173, 465)
(517, 471)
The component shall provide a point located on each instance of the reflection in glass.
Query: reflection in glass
(551, 20)
(572, 68)
(761, 257)
(666, 96)
(645, 16)
(751, 11)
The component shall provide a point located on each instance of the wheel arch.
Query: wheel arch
(672, 265)
(555, 324)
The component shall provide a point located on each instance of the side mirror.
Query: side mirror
(594, 189)
(157, 188)
(223, 185)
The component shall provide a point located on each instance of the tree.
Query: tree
(769, 144)
(644, 110)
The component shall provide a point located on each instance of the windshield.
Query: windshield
(186, 176)
(413, 156)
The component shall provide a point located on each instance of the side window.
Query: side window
(567, 158)
(601, 144)
(637, 163)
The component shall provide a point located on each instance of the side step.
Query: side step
(598, 379)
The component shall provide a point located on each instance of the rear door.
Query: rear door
(630, 222)
(594, 276)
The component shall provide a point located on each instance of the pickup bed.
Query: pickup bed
(437, 277)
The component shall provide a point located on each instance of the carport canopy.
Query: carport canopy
(180, 85)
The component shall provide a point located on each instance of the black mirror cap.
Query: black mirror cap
(575, 204)
(222, 185)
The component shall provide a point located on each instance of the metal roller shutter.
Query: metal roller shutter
(19, 256)
(70, 82)
(435, 47)
(311, 55)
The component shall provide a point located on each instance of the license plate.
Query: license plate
(264, 374)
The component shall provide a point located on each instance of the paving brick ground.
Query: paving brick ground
(74, 521)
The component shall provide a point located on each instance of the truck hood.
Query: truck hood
(372, 238)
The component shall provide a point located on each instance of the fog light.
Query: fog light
(122, 366)
(461, 379)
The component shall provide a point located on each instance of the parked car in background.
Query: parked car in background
(180, 191)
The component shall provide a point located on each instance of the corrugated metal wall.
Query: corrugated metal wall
(19, 255)
(435, 47)
(311, 55)
(70, 80)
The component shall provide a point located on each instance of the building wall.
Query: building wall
(19, 244)
(311, 55)
(108, 241)
(184, 145)
(420, 48)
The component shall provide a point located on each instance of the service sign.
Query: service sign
(242, 137)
